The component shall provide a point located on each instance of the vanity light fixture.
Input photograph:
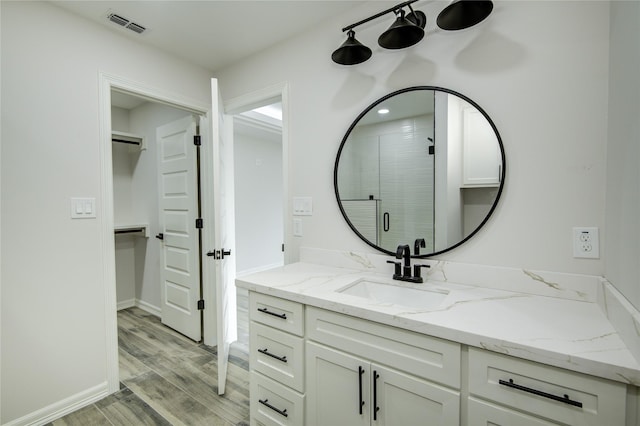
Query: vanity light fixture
(408, 30)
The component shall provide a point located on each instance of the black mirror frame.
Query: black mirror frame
(373, 105)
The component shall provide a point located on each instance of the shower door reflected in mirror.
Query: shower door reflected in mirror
(387, 175)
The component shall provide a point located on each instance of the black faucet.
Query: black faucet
(404, 252)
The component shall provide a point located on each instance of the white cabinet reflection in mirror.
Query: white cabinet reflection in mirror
(481, 153)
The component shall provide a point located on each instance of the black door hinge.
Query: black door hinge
(283, 247)
(199, 223)
(201, 304)
(197, 140)
(432, 150)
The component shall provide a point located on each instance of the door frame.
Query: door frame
(107, 83)
(256, 99)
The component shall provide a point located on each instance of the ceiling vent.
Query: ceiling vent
(124, 22)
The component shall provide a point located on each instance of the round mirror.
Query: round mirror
(420, 164)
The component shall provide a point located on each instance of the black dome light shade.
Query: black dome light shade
(402, 33)
(461, 14)
(351, 52)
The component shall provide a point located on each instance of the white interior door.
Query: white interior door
(223, 232)
(180, 265)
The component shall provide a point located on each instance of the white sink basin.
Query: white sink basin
(383, 293)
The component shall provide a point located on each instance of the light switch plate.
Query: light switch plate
(83, 208)
(302, 206)
(297, 227)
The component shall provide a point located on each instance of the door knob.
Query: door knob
(160, 236)
(219, 254)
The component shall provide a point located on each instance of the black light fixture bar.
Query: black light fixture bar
(408, 30)
(377, 15)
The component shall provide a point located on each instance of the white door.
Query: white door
(178, 203)
(219, 239)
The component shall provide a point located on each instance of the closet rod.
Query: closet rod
(125, 141)
(128, 231)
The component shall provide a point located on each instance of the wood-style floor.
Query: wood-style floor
(167, 379)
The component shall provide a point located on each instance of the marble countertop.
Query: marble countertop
(563, 332)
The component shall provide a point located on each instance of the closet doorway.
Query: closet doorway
(212, 138)
(156, 206)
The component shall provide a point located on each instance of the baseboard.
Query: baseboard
(62, 408)
(124, 304)
(148, 307)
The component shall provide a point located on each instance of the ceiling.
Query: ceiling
(211, 33)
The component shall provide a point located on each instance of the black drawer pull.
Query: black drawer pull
(266, 311)
(266, 352)
(565, 399)
(266, 403)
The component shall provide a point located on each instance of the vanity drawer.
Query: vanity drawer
(278, 355)
(273, 403)
(482, 413)
(549, 392)
(423, 356)
(278, 313)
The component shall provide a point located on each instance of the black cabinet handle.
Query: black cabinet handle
(266, 352)
(265, 402)
(376, 376)
(160, 236)
(385, 222)
(360, 401)
(565, 399)
(266, 311)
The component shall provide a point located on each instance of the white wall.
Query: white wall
(53, 294)
(622, 244)
(539, 69)
(258, 202)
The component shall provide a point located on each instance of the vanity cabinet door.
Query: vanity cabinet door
(349, 390)
(402, 400)
(337, 388)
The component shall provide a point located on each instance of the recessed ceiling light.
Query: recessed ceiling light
(383, 111)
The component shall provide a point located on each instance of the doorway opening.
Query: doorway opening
(259, 194)
(130, 208)
(156, 194)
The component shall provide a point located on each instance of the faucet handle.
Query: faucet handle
(396, 269)
(416, 269)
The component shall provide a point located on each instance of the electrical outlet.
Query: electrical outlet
(586, 243)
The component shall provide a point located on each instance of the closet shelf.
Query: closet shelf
(136, 141)
(138, 230)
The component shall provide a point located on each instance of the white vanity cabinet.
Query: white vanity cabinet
(276, 358)
(361, 373)
(501, 388)
(311, 366)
